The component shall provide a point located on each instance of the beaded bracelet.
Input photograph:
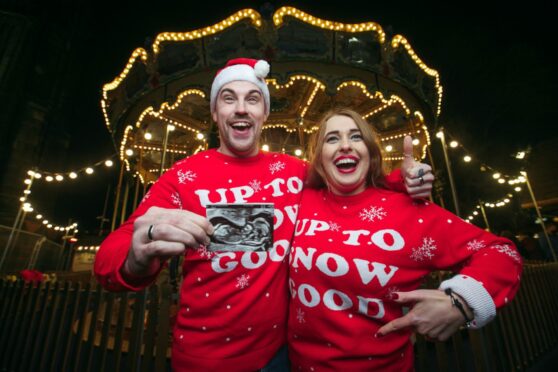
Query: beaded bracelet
(455, 302)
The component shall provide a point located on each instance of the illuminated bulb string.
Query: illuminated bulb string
(49, 176)
(28, 208)
(497, 176)
(55, 177)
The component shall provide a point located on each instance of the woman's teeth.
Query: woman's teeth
(345, 163)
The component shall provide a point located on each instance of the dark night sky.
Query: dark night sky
(500, 86)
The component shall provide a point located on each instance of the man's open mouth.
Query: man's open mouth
(241, 126)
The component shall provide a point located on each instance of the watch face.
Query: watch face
(241, 227)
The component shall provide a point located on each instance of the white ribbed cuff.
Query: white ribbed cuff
(475, 295)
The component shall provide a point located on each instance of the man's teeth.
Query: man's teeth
(345, 162)
(240, 125)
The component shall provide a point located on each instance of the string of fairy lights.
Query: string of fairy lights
(499, 177)
(56, 177)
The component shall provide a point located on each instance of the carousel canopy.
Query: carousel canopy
(157, 109)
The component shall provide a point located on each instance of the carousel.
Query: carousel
(157, 109)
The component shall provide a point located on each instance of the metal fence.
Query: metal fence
(76, 327)
(29, 251)
(69, 326)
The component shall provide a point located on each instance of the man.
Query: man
(233, 305)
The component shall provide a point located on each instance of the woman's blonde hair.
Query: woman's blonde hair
(316, 175)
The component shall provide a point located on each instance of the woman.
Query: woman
(360, 252)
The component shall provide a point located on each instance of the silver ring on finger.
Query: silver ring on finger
(150, 232)
(421, 173)
(421, 180)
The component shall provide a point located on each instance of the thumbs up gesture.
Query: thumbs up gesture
(418, 177)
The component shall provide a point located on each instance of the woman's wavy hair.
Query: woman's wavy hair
(316, 175)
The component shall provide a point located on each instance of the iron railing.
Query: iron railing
(74, 326)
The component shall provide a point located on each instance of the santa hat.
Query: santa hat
(244, 69)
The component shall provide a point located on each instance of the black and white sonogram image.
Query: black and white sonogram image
(241, 227)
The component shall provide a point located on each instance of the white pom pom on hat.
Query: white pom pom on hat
(242, 69)
(261, 68)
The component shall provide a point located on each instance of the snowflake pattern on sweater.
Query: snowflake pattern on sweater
(146, 196)
(372, 213)
(475, 245)
(204, 252)
(334, 226)
(508, 250)
(276, 167)
(176, 200)
(243, 281)
(185, 176)
(425, 251)
(255, 185)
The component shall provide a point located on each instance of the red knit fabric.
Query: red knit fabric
(350, 254)
(233, 305)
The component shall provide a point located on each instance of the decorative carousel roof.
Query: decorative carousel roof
(315, 65)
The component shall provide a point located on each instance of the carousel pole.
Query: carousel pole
(144, 188)
(481, 204)
(431, 159)
(169, 128)
(136, 192)
(125, 202)
(442, 138)
(62, 258)
(68, 258)
(117, 199)
(534, 200)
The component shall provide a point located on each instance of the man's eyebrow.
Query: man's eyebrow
(228, 90)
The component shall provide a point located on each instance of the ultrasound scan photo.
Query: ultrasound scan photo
(241, 227)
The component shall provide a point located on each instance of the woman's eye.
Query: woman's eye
(356, 137)
(331, 139)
